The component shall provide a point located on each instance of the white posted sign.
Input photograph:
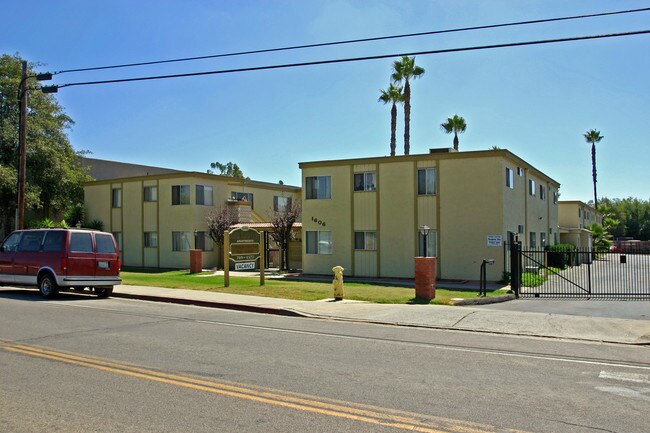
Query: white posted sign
(494, 240)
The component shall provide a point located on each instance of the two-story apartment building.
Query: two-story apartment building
(158, 218)
(575, 217)
(364, 214)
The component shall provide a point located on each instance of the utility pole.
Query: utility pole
(22, 149)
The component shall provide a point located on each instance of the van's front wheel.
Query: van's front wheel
(47, 286)
(103, 292)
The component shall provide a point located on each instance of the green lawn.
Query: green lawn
(299, 290)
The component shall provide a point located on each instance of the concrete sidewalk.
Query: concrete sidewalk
(425, 316)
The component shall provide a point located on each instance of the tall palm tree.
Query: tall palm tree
(392, 95)
(456, 125)
(593, 137)
(403, 71)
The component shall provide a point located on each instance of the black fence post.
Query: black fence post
(515, 264)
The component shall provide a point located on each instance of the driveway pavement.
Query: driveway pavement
(633, 310)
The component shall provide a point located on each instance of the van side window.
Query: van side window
(53, 241)
(105, 244)
(31, 241)
(81, 243)
(11, 243)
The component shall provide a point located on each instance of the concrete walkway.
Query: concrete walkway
(465, 318)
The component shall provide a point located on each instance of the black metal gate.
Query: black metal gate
(578, 273)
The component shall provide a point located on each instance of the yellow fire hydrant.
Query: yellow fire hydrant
(338, 282)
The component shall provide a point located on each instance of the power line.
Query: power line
(359, 59)
(354, 41)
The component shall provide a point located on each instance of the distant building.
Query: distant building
(100, 169)
(364, 214)
(575, 218)
(158, 217)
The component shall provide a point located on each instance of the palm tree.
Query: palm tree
(392, 95)
(593, 137)
(403, 71)
(456, 125)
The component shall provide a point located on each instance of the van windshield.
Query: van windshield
(105, 244)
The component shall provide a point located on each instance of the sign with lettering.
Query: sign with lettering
(494, 240)
(245, 245)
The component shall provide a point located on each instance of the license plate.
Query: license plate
(103, 265)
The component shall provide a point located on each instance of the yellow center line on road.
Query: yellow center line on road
(346, 410)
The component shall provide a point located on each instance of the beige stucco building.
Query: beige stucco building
(364, 214)
(575, 217)
(158, 218)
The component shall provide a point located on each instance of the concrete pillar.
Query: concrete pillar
(425, 277)
(196, 261)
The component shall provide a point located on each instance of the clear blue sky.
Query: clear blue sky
(535, 101)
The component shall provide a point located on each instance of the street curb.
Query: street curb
(484, 301)
(212, 304)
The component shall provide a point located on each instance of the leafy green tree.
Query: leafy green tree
(392, 95)
(593, 137)
(455, 125)
(54, 179)
(632, 216)
(405, 70)
(229, 169)
(602, 239)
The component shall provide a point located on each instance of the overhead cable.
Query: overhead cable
(354, 41)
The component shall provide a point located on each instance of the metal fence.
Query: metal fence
(579, 273)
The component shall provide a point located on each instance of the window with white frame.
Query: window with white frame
(542, 239)
(242, 196)
(204, 241)
(542, 192)
(510, 178)
(181, 241)
(365, 240)
(365, 181)
(532, 240)
(180, 194)
(280, 203)
(531, 187)
(520, 171)
(116, 199)
(318, 187)
(427, 181)
(319, 242)
(150, 193)
(204, 195)
(151, 239)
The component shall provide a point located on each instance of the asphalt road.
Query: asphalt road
(88, 365)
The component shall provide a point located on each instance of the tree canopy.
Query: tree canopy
(229, 169)
(54, 179)
(631, 217)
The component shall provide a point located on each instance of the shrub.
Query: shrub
(95, 225)
(560, 256)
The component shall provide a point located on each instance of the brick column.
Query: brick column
(196, 261)
(425, 277)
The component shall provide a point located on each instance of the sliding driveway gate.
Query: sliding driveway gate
(582, 273)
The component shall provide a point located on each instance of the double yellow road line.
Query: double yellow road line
(339, 409)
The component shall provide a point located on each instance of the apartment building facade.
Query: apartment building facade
(157, 219)
(365, 214)
(575, 217)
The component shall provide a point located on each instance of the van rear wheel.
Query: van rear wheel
(103, 292)
(47, 286)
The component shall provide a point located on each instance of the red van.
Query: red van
(60, 258)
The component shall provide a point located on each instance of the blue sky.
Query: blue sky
(535, 101)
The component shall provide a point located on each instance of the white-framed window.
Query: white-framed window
(150, 239)
(510, 178)
(150, 193)
(531, 187)
(319, 242)
(365, 181)
(242, 196)
(318, 187)
(116, 199)
(427, 181)
(542, 192)
(432, 244)
(365, 240)
(181, 241)
(204, 242)
(555, 194)
(542, 239)
(520, 171)
(532, 239)
(180, 194)
(280, 203)
(204, 195)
